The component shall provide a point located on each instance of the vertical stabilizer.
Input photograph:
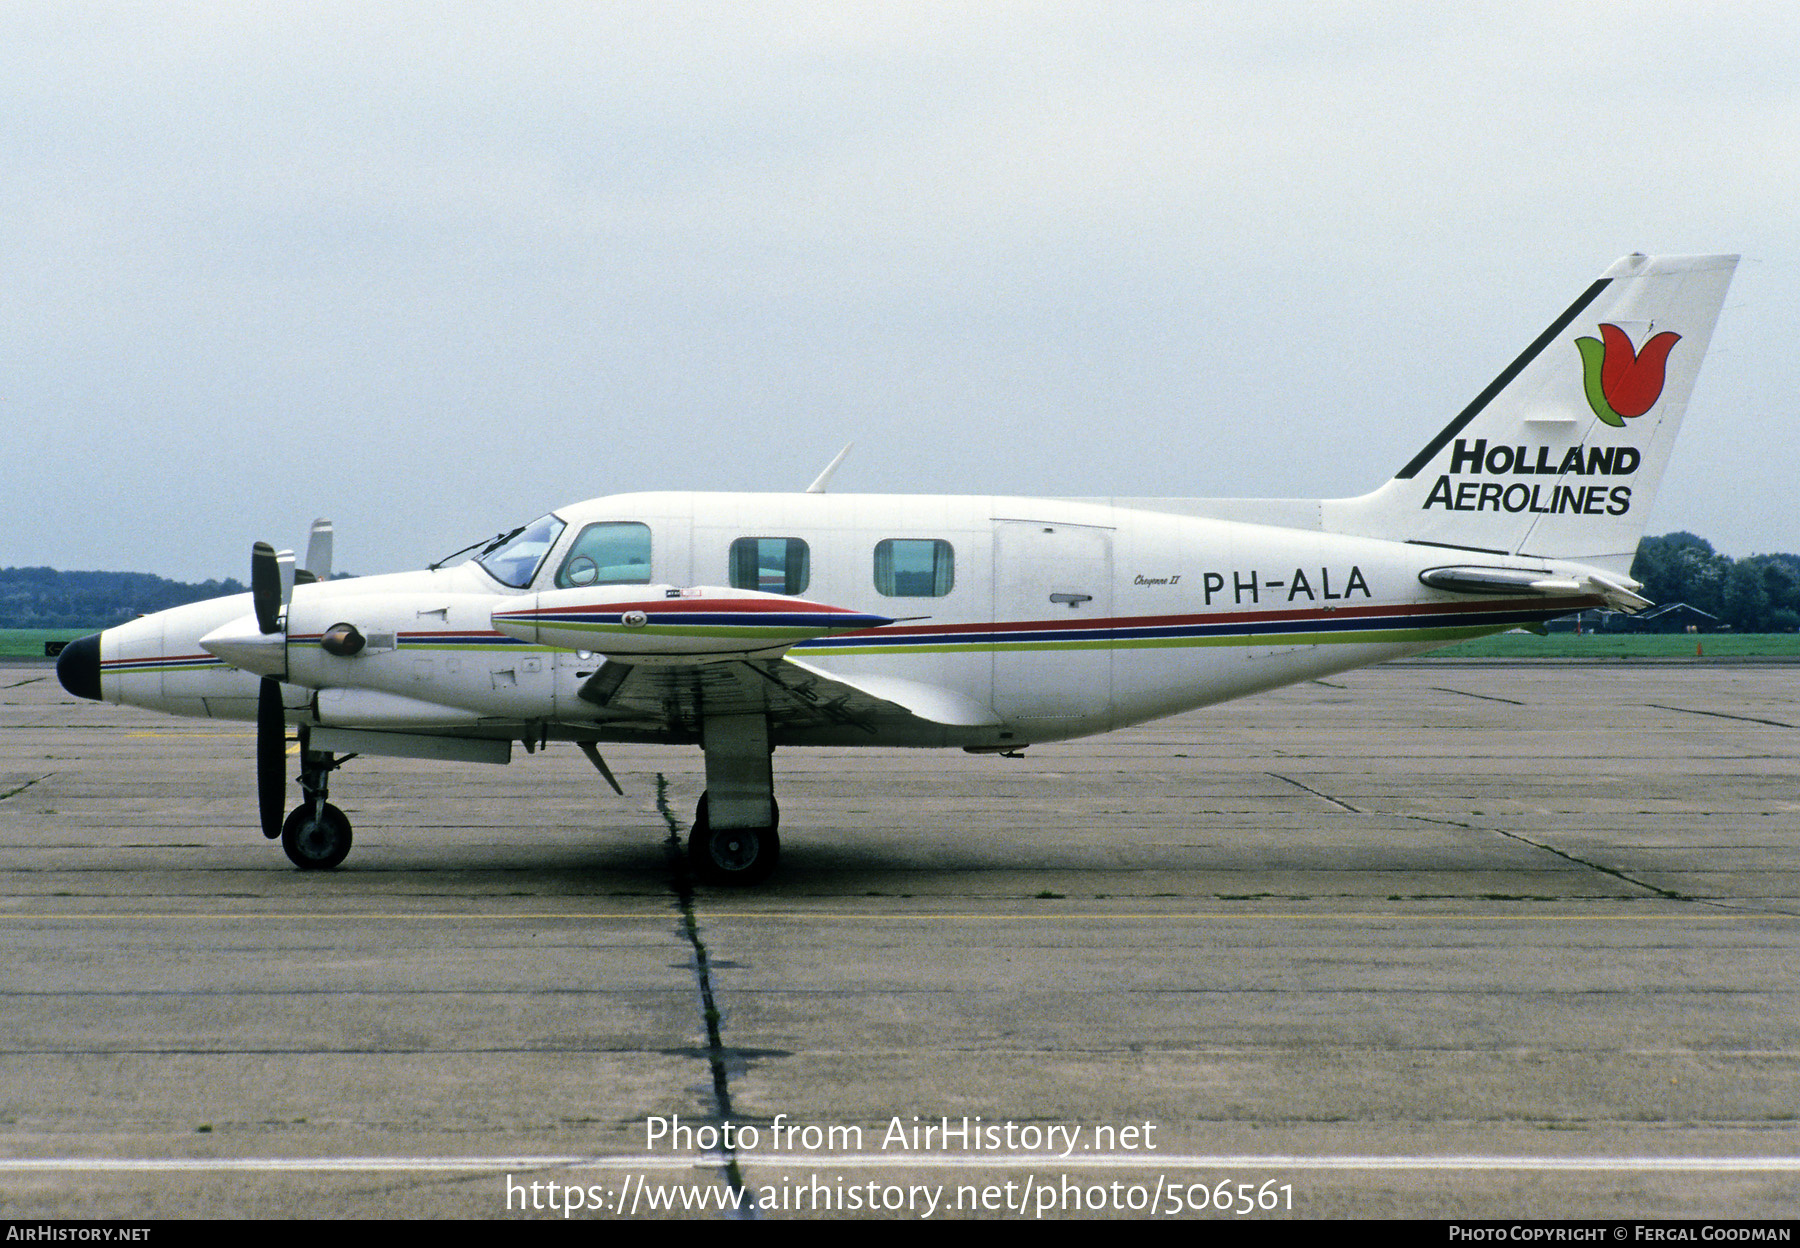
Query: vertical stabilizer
(1561, 455)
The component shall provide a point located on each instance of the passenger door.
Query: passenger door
(1053, 604)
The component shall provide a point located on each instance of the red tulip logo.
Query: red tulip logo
(1622, 381)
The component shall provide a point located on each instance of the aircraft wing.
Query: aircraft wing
(803, 702)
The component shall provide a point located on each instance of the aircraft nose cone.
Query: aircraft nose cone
(78, 667)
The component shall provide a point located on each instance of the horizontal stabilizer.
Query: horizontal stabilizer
(1616, 593)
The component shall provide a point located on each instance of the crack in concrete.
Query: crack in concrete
(681, 882)
(1748, 719)
(1309, 789)
(1668, 893)
(1485, 697)
(14, 792)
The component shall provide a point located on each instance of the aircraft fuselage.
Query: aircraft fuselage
(1066, 618)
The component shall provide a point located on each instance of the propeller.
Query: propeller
(272, 580)
(269, 592)
(265, 587)
(258, 643)
(271, 756)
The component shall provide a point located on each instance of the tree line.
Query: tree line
(1756, 594)
(46, 598)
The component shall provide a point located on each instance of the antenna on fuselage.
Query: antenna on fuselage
(818, 485)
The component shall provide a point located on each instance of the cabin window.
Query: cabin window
(607, 554)
(775, 565)
(909, 567)
(515, 561)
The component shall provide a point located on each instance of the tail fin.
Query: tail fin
(1560, 457)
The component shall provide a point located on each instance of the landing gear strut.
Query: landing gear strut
(316, 835)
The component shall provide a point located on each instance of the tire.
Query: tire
(316, 844)
(733, 856)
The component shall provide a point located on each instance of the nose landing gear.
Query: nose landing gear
(316, 835)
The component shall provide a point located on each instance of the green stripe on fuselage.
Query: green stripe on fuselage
(1385, 636)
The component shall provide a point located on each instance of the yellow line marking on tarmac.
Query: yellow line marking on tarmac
(185, 734)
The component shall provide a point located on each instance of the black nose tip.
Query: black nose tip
(78, 667)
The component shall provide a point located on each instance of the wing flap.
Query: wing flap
(931, 703)
(671, 700)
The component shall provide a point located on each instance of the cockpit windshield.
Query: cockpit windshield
(515, 560)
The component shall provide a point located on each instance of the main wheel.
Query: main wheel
(733, 855)
(316, 842)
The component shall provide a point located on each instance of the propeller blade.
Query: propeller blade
(265, 587)
(318, 549)
(271, 756)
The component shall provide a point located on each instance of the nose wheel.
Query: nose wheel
(316, 836)
(733, 855)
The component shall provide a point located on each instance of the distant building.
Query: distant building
(1593, 620)
(1668, 617)
(1674, 617)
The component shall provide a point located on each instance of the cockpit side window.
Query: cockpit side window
(609, 553)
(516, 561)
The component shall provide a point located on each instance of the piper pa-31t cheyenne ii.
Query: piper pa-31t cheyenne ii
(743, 622)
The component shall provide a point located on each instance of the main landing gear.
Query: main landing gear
(316, 835)
(734, 840)
(733, 855)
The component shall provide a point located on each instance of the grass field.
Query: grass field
(1627, 646)
(28, 643)
(21, 643)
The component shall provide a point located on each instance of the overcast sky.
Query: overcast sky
(433, 269)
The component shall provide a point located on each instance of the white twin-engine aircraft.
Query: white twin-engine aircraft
(742, 622)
